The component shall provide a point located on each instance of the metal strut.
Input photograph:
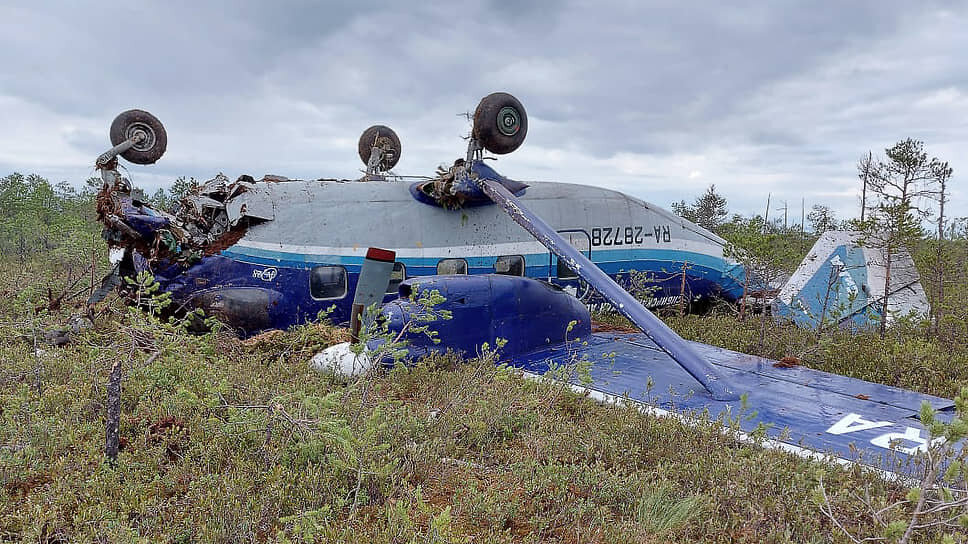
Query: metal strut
(681, 352)
(110, 154)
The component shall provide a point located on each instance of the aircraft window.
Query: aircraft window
(578, 240)
(565, 273)
(452, 266)
(327, 282)
(396, 278)
(510, 265)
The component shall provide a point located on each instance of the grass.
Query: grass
(229, 441)
(660, 510)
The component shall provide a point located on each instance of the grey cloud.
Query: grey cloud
(777, 92)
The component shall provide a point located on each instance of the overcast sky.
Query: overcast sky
(657, 99)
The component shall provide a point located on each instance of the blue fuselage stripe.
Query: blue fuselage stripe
(609, 260)
(246, 268)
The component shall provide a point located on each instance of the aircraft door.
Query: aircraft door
(559, 271)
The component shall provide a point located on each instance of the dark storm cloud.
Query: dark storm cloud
(755, 97)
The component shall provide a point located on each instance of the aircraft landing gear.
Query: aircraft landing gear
(137, 136)
(500, 123)
(379, 149)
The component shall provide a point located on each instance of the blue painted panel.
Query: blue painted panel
(707, 275)
(802, 407)
(610, 260)
(230, 269)
(834, 383)
(526, 313)
(837, 289)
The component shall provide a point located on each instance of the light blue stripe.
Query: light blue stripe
(605, 258)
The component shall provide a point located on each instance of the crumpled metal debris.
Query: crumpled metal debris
(63, 336)
(220, 205)
(213, 215)
(459, 186)
(442, 188)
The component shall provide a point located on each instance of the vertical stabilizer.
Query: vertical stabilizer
(841, 282)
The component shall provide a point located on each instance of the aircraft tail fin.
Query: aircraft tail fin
(842, 281)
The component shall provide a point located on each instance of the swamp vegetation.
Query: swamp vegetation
(223, 440)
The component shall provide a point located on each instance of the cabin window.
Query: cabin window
(396, 278)
(452, 266)
(565, 273)
(510, 265)
(327, 282)
(579, 240)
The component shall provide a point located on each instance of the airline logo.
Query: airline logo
(266, 274)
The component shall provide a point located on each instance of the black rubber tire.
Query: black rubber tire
(494, 111)
(147, 152)
(370, 136)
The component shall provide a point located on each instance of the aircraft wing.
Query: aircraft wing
(805, 411)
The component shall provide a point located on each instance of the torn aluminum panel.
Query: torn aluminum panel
(842, 282)
(207, 219)
(255, 202)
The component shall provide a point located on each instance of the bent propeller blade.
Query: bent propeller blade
(372, 284)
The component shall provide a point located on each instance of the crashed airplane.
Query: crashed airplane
(275, 252)
(511, 261)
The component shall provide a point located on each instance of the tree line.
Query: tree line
(903, 197)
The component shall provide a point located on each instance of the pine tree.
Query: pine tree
(708, 211)
(900, 184)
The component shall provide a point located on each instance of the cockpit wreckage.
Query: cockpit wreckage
(512, 261)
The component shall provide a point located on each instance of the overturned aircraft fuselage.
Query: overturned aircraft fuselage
(274, 253)
(277, 252)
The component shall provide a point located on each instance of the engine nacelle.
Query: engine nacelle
(529, 314)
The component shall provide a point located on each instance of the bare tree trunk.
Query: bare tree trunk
(763, 326)
(766, 218)
(763, 308)
(112, 437)
(803, 211)
(939, 302)
(834, 276)
(887, 289)
(863, 194)
(742, 304)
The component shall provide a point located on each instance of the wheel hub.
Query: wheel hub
(145, 136)
(508, 121)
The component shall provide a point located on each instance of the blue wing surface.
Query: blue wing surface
(848, 418)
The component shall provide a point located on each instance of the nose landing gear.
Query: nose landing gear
(138, 137)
